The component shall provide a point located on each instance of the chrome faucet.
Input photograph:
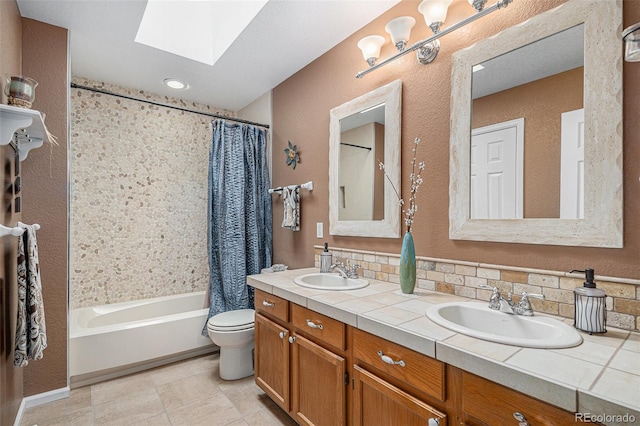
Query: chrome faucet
(508, 306)
(341, 269)
(349, 271)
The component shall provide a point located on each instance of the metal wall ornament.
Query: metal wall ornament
(293, 157)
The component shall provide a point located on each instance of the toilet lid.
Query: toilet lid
(233, 320)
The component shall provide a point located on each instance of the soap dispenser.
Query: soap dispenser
(590, 306)
(325, 259)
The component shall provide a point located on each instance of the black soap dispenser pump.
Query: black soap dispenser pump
(326, 259)
(590, 313)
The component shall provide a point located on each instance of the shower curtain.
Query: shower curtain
(239, 214)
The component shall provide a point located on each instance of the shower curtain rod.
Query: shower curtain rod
(106, 92)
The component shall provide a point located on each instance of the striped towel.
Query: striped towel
(31, 333)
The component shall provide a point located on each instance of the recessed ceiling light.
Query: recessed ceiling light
(175, 84)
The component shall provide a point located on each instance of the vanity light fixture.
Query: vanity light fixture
(435, 13)
(175, 83)
(370, 47)
(631, 38)
(400, 30)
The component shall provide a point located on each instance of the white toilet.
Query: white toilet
(233, 332)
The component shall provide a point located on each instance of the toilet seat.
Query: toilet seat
(242, 319)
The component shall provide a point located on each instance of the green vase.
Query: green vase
(407, 264)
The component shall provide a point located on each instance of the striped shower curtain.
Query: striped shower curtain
(239, 214)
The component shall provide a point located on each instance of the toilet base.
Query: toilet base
(236, 363)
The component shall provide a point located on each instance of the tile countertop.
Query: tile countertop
(601, 376)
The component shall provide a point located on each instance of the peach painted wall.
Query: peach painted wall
(301, 107)
(10, 42)
(44, 195)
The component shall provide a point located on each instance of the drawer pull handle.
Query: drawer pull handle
(282, 334)
(314, 325)
(388, 360)
(292, 339)
(268, 304)
(522, 420)
(434, 422)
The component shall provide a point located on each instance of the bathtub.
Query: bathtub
(121, 338)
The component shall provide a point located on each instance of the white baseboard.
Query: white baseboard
(39, 399)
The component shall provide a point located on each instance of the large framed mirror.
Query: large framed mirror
(536, 131)
(363, 133)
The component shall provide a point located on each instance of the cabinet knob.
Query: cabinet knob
(434, 422)
(522, 420)
(388, 360)
(268, 304)
(314, 325)
(282, 334)
(292, 339)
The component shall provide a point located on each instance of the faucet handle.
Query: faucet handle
(524, 299)
(524, 306)
(494, 300)
(534, 295)
(353, 270)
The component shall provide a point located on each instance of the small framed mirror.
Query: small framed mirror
(365, 132)
(538, 159)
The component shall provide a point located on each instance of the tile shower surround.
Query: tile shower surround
(464, 279)
(138, 196)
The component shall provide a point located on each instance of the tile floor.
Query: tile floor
(188, 393)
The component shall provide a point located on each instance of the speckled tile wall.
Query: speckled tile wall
(138, 196)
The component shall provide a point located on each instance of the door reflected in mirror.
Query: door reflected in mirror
(361, 183)
(527, 121)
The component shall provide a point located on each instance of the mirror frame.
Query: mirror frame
(602, 225)
(389, 227)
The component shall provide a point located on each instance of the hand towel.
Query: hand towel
(31, 333)
(291, 215)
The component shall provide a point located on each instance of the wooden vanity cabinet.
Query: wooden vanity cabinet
(307, 363)
(486, 403)
(272, 348)
(301, 363)
(318, 368)
(387, 379)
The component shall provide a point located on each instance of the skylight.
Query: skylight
(198, 30)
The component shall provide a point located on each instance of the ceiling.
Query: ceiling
(284, 37)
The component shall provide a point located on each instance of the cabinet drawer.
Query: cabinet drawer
(420, 371)
(494, 404)
(272, 305)
(324, 329)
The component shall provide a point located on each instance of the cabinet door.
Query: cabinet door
(488, 403)
(376, 402)
(272, 360)
(318, 385)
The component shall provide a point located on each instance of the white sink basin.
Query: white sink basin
(477, 320)
(330, 282)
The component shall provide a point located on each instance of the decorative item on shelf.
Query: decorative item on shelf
(435, 13)
(292, 155)
(408, 253)
(590, 305)
(20, 90)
